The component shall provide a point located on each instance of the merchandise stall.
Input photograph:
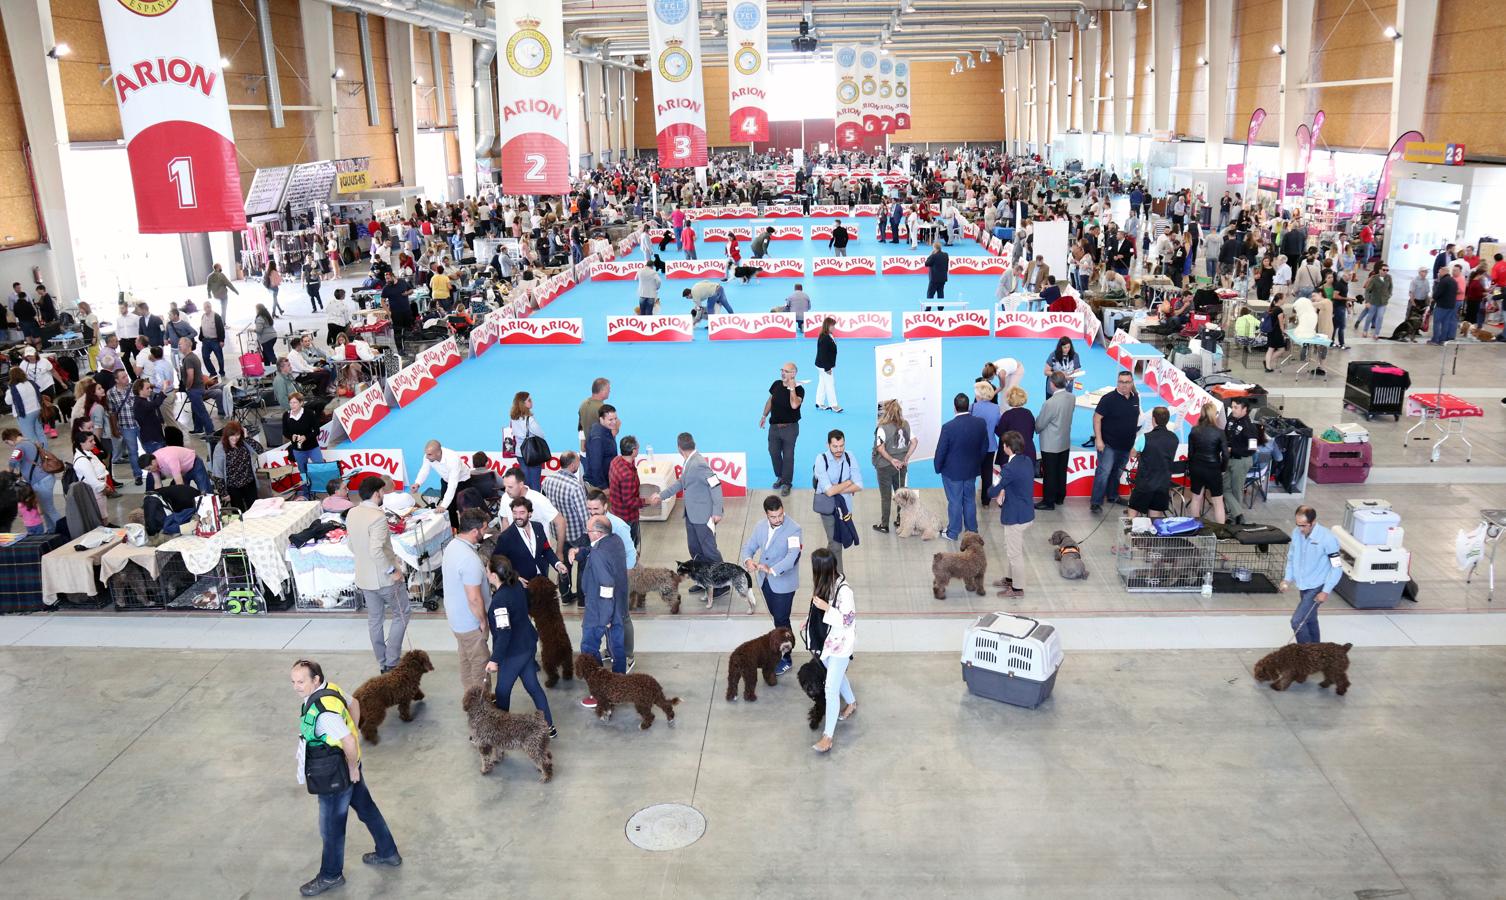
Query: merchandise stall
(251, 545)
(324, 572)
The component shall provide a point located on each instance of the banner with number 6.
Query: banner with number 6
(167, 79)
(674, 46)
(531, 83)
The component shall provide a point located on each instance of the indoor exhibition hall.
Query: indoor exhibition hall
(1036, 438)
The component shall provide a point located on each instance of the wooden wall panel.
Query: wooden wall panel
(1189, 82)
(357, 138)
(1255, 71)
(1141, 118)
(18, 209)
(1466, 104)
(1348, 44)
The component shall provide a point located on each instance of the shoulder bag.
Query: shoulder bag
(533, 450)
(325, 770)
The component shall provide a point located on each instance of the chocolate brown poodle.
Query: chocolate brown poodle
(493, 731)
(969, 563)
(640, 691)
(398, 687)
(1295, 662)
(763, 652)
(554, 642)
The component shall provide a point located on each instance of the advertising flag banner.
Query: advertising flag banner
(868, 73)
(1257, 119)
(1383, 186)
(748, 73)
(1304, 148)
(849, 98)
(167, 80)
(886, 95)
(901, 95)
(531, 83)
(1318, 119)
(674, 49)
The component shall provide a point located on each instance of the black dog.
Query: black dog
(812, 678)
(714, 576)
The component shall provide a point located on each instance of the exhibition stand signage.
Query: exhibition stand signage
(844, 265)
(1040, 325)
(977, 265)
(726, 232)
(851, 324)
(903, 265)
(695, 268)
(823, 230)
(759, 327)
(661, 329)
(616, 271)
(358, 414)
(354, 464)
(773, 267)
(955, 323)
(674, 59)
(418, 378)
(540, 331)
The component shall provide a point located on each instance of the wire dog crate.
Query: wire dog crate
(1153, 563)
(1254, 562)
(134, 588)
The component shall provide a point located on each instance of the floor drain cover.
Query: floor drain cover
(666, 826)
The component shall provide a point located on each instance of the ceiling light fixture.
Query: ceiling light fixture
(339, 73)
(1391, 32)
(1202, 61)
(1278, 49)
(224, 63)
(59, 51)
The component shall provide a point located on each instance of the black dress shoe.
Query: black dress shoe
(319, 885)
(881, 528)
(1095, 509)
(371, 859)
(1044, 505)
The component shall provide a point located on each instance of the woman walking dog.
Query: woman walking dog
(839, 618)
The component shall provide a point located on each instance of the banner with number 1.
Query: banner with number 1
(167, 79)
(674, 47)
(531, 83)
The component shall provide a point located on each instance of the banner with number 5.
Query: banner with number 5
(674, 47)
(748, 74)
(167, 79)
(531, 83)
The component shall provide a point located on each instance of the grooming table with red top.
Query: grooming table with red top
(1446, 413)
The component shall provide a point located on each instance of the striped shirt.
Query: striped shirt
(564, 490)
(121, 405)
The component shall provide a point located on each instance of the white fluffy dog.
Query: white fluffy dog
(914, 517)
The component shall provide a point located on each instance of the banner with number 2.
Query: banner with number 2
(674, 42)
(531, 83)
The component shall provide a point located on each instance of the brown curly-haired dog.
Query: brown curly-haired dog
(554, 642)
(763, 652)
(493, 731)
(1295, 662)
(969, 563)
(644, 581)
(609, 688)
(396, 688)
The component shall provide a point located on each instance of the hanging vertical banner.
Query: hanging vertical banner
(165, 58)
(901, 95)
(531, 83)
(1318, 121)
(849, 100)
(748, 76)
(1304, 147)
(1257, 119)
(674, 47)
(886, 95)
(1383, 186)
(868, 57)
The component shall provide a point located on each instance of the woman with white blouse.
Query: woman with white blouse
(90, 470)
(834, 597)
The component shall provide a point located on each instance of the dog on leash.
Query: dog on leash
(398, 687)
(549, 622)
(642, 692)
(1295, 662)
(969, 563)
(494, 731)
(812, 678)
(914, 517)
(643, 581)
(1068, 556)
(713, 576)
(762, 653)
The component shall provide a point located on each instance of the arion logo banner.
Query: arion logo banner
(148, 8)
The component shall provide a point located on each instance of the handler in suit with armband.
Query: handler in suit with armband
(703, 504)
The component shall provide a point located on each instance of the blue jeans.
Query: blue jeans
(302, 458)
(128, 446)
(779, 607)
(590, 640)
(1445, 325)
(333, 809)
(31, 427)
(645, 306)
(1106, 479)
(719, 297)
(838, 688)
(199, 476)
(201, 421)
(690, 253)
(1305, 619)
(525, 668)
(43, 485)
(213, 350)
(1371, 315)
(532, 476)
(961, 507)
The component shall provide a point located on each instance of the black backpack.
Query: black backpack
(154, 512)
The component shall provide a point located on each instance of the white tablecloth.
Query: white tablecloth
(264, 541)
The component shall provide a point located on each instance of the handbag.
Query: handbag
(533, 451)
(251, 365)
(48, 460)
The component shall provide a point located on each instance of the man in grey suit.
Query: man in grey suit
(605, 584)
(1054, 425)
(703, 504)
(379, 575)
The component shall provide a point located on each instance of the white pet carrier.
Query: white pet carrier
(1011, 659)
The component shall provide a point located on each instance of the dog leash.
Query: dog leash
(1298, 627)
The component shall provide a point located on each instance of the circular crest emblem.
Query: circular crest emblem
(748, 60)
(675, 64)
(148, 8)
(888, 368)
(869, 86)
(846, 56)
(847, 91)
(902, 69)
(671, 12)
(886, 66)
(870, 59)
(900, 90)
(528, 51)
(747, 16)
(884, 90)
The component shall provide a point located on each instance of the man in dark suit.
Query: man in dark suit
(524, 544)
(601, 446)
(959, 458)
(605, 584)
(936, 265)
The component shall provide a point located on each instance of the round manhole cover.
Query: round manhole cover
(666, 826)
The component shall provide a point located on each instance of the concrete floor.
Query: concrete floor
(1156, 775)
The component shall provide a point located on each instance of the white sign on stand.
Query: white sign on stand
(1051, 246)
(910, 372)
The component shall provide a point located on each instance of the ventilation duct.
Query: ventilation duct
(486, 117)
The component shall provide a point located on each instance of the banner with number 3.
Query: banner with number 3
(674, 46)
(531, 83)
(747, 76)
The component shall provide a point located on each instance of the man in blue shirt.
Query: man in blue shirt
(959, 459)
(772, 556)
(1312, 564)
(1116, 422)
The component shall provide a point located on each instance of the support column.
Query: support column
(1087, 87)
(404, 99)
(28, 31)
(1218, 26)
(319, 55)
(1040, 51)
(1121, 46)
(1163, 38)
(1061, 93)
(1297, 38)
(463, 62)
(1417, 20)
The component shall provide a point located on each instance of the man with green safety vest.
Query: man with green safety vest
(328, 718)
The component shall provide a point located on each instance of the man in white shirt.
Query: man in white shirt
(451, 468)
(340, 312)
(127, 326)
(544, 512)
(306, 372)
